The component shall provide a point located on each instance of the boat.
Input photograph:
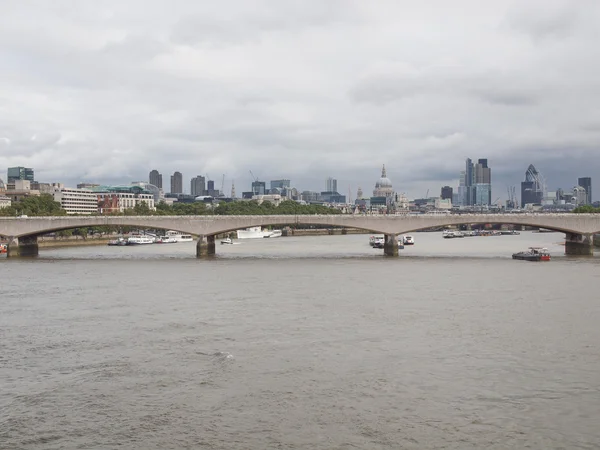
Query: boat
(165, 240)
(533, 254)
(118, 242)
(3, 249)
(227, 240)
(377, 241)
(140, 240)
(179, 237)
(253, 233)
(408, 240)
(274, 234)
(449, 234)
(508, 232)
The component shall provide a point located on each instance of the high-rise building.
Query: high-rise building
(19, 173)
(532, 189)
(210, 188)
(469, 181)
(155, 178)
(586, 183)
(483, 183)
(331, 185)
(259, 187)
(280, 184)
(176, 183)
(446, 193)
(197, 186)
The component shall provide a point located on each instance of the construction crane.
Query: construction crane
(223, 185)
(427, 195)
(253, 177)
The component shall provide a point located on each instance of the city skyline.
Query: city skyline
(137, 84)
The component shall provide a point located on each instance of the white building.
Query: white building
(5, 201)
(111, 202)
(77, 201)
(443, 203)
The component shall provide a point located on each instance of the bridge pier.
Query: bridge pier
(390, 246)
(205, 246)
(579, 244)
(22, 246)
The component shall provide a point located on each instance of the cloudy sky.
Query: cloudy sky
(106, 91)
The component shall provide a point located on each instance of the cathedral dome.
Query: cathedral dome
(383, 187)
(384, 181)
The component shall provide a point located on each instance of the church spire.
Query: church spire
(383, 173)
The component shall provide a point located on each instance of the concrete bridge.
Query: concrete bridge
(22, 232)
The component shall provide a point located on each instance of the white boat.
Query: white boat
(118, 242)
(376, 241)
(227, 241)
(140, 240)
(253, 233)
(165, 240)
(274, 234)
(408, 240)
(179, 237)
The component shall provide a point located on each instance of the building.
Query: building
(332, 197)
(579, 196)
(158, 193)
(446, 193)
(5, 201)
(280, 184)
(483, 183)
(469, 181)
(275, 199)
(87, 185)
(19, 173)
(76, 201)
(586, 183)
(18, 190)
(331, 185)
(483, 194)
(155, 178)
(176, 183)
(116, 199)
(310, 196)
(532, 189)
(210, 189)
(259, 187)
(198, 186)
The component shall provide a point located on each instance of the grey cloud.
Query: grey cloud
(306, 91)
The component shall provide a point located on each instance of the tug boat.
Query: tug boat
(533, 254)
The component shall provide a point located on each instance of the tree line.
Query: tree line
(586, 209)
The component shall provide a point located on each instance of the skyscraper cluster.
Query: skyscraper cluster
(475, 184)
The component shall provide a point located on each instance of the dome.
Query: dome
(384, 181)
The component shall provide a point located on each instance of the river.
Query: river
(301, 343)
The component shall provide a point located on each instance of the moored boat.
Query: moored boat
(179, 237)
(3, 248)
(117, 242)
(533, 254)
(165, 240)
(140, 240)
(274, 234)
(408, 240)
(253, 233)
(227, 240)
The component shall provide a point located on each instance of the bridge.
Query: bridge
(22, 232)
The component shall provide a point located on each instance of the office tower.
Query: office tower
(446, 193)
(155, 179)
(176, 183)
(469, 181)
(483, 183)
(280, 184)
(586, 183)
(532, 189)
(210, 188)
(19, 173)
(331, 185)
(197, 186)
(259, 187)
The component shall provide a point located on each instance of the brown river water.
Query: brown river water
(301, 343)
